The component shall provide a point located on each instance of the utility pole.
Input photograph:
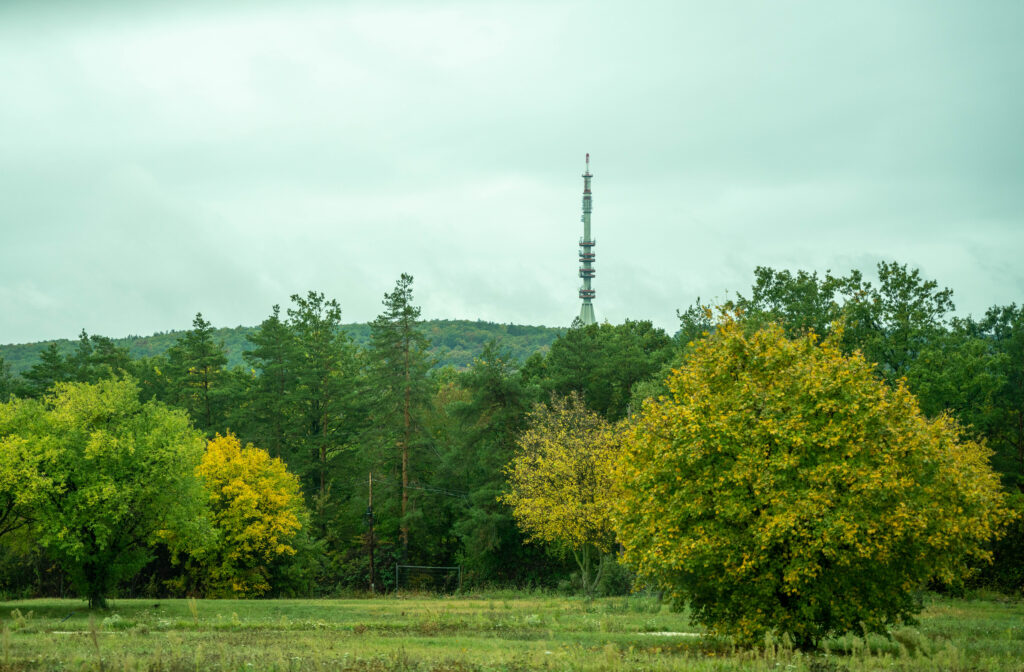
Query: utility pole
(587, 255)
(369, 522)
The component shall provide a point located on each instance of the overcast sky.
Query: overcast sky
(159, 159)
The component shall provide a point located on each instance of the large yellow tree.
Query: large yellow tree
(561, 482)
(257, 509)
(782, 487)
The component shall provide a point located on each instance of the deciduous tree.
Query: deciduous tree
(121, 477)
(25, 459)
(603, 363)
(562, 482)
(783, 487)
(257, 510)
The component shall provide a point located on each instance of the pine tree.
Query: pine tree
(273, 359)
(51, 368)
(324, 373)
(6, 380)
(196, 365)
(96, 358)
(491, 415)
(399, 365)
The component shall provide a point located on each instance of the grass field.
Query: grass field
(498, 632)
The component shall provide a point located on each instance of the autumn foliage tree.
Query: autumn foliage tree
(561, 482)
(257, 510)
(782, 487)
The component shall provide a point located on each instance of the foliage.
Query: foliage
(51, 368)
(488, 407)
(800, 301)
(891, 323)
(122, 480)
(6, 380)
(1004, 325)
(196, 367)
(24, 482)
(562, 482)
(273, 359)
(96, 358)
(398, 372)
(329, 399)
(783, 487)
(325, 385)
(453, 342)
(603, 363)
(257, 510)
(694, 323)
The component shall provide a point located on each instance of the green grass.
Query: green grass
(498, 632)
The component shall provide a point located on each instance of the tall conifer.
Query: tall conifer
(399, 365)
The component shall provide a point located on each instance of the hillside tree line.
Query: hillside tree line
(268, 491)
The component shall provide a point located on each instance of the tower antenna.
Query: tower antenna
(587, 255)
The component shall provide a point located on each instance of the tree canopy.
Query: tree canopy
(257, 510)
(117, 477)
(783, 487)
(434, 414)
(562, 481)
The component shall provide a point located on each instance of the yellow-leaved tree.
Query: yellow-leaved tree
(561, 483)
(257, 509)
(783, 487)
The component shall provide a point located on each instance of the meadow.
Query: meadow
(499, 631)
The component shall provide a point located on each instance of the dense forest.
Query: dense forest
(432, 412)
(452, 342)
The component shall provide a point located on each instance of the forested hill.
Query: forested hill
(453, 342)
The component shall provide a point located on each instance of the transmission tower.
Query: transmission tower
(587, 255)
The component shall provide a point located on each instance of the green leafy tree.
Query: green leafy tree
(800, 302)
(1004, 327)
(892, 323)
(24, 482)
(154, 376)
(120, 478)
(603, 363)
(694, 324)
(562, 483)
(398, 370)
(961, 371)
(782, 487)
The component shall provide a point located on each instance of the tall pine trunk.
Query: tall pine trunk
(405, 454)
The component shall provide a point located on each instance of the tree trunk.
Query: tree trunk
(405, 455)
(585, 561)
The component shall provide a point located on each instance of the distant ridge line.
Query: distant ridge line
(454, 342)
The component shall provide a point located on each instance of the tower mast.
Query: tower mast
(587, 255)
